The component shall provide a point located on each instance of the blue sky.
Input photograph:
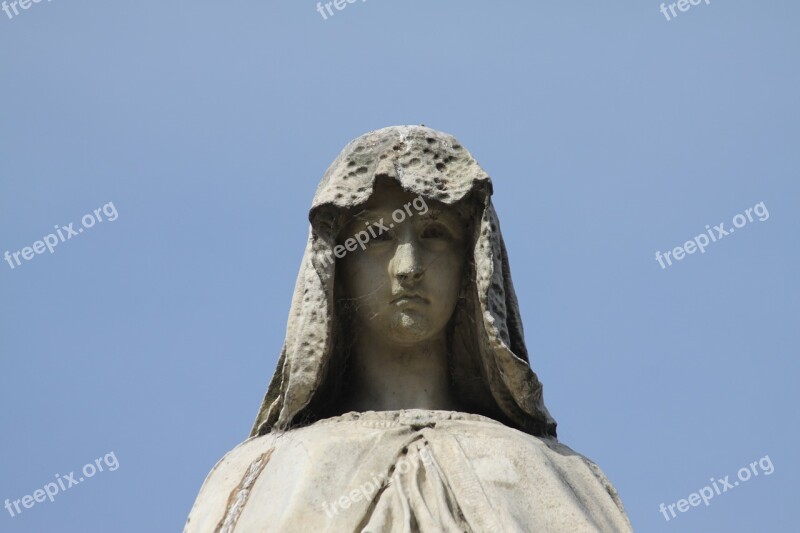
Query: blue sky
(610, 134)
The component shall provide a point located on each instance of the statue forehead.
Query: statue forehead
(388, 197)
(387, 193)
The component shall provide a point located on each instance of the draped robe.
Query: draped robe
(402, 472)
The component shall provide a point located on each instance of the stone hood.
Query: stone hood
(489, 364)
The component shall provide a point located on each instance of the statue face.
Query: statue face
(404, 284)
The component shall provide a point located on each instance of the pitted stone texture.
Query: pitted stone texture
(424, 161)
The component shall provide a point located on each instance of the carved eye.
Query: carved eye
(382, 237)
(435, 231)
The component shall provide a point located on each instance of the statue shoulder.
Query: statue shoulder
(224, 479)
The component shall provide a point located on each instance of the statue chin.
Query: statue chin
(409, 327)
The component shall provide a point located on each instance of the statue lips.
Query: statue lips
(405, 299)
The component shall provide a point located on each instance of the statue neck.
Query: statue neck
(389, 377)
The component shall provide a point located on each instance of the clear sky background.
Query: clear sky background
(610, 133)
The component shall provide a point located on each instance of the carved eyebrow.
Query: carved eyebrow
(442, 215)
(366, 215)
(445, 215)
(358, 221)
(433, 212)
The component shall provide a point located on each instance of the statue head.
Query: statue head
(404, 244)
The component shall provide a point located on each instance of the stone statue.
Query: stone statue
(404, 400)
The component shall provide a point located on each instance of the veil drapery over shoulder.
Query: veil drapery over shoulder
(489, 364)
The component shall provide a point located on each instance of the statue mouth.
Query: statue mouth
(408, 299)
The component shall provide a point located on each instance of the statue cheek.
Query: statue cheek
(365, 277)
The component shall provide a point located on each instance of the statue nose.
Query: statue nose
(407, 263)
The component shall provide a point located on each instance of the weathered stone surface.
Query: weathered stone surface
(475, 475)
(404, 399)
